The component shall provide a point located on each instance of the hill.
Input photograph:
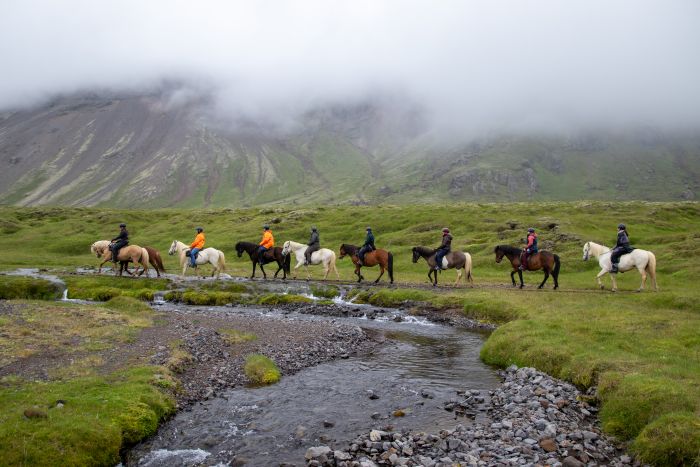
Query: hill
(149, 151)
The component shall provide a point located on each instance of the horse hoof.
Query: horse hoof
(522, 286)
(639, 290)
(539, 287)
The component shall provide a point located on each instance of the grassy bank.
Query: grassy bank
(641, 350)
(78, 412)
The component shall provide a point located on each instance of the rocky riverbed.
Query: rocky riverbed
(531, 419)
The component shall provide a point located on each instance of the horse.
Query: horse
(323, 256)
(101, 249)
(208, 255)
(644, 261)
(543, 259)
(454, 259)
(275, 254)
(155, 259)
(380, 257)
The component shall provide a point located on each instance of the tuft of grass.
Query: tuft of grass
(260, 370)
(394, 297)
(670, 440)
(16, 287)
(104, 288)
(487, 308)
(100, 416)
(324, 291)
(203, 298)
(128, 305)
(280, 299)
(234, 336)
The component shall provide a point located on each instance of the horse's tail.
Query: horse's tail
(651, 269)
(390, 267)
(222, 261)
(557, 266)
(144, 259)
(468, 268)
(159, 262)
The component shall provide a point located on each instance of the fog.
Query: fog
(473, 67)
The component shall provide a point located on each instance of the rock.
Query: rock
(341, 455)
(376, 435)
(398, 413)
(35, 412)
(372, 395)
(548, 444)
(316, 452)
(327, 424)
(376, 415)
(570, 461)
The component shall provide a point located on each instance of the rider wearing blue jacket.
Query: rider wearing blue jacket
(622, 247)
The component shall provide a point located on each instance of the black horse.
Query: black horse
(275, 254)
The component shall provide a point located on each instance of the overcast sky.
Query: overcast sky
(473, 65)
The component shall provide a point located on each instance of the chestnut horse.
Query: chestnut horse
(380, 257)
(275, 254)
(101, 249)
(543, 259)
(155, 260)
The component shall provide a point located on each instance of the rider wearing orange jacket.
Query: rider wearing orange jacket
(267, 242)
(196, 246)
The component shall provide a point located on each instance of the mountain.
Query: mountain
(149, 151)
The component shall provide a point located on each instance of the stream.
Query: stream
(415, 371)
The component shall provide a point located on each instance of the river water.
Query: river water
(417, 369)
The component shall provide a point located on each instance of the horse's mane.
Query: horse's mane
(349, 248)
(245, 245)
(424, 250)
(507, 249)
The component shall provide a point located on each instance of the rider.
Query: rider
(367, 246)
(313, 245)
(530, 248)
(267, 242)
(443, 249)
(196, 246)
(622, 247)
(118, 242)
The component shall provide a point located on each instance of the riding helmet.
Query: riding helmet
(530, 230)
(122, 225)
(313, 228)
(368, 228)
(621, 227)
(199, 229)
(446, 230)
(266, 227)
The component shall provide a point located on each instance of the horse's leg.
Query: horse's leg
(459, 276)
(381, 273)
(614, 282)
(512, 277)
(263, 271)
(357, 272)
(326, 270)
(184, 268)
(520, 275)
(546, 276)
(598, 276)
(254, 264)
(643, 272)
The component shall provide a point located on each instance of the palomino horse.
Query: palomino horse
(454, 259)
(643, 260)
(543, 259)
(129, 253)
(380, 257)
(275, 254)
(101, 249)
(323, 256)
(208, 255)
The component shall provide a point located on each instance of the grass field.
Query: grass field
(641, 350)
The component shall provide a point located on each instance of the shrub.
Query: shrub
(261, 370)
(15, 287)
(672, 439)
(280, 299)
(321, 291)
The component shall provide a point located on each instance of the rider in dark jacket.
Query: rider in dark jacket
(530, 248)
(313, 245)
(119, 242)
(367, 246)
(621, 247)
(443, 249)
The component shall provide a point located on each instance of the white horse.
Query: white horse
(643, 260)
(323, 256)
(208, 255)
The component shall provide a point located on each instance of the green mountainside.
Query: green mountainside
(142, 151)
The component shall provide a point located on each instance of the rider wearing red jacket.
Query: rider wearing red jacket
(530, 248)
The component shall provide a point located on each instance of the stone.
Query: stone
(570, 461)
(376, 435)
(341, 455)
(376, 415)
(316, 452)
(328, 424)
(548, 444)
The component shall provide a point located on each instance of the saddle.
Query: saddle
(188, 253)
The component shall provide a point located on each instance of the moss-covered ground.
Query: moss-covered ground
(641, 350)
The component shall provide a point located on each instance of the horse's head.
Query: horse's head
(239, 249)
(173, 248)
(586, 251)
(416, 254)
(499, 254)
(97, 249)
(286, 248)
(343, 252)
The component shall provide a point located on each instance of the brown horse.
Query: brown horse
(101, 249)
(454, 259)
(545, 260)
(132, 254)
(274, 254)
(380, 257)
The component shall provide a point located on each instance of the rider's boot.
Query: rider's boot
(614, 269)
